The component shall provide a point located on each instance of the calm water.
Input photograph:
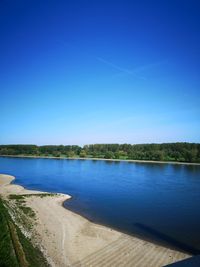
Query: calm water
(160, 202)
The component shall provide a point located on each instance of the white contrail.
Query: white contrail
(134, 71)
(114, 66)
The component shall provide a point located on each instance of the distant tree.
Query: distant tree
(56, 153)
(158, 155)
(109, 155)
(191, 155)
(83, 153)
(120, 154)
(70, 154)
(94, 154)
(117, 155)
(189, 152)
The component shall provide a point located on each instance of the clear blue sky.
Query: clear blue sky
(80, 72)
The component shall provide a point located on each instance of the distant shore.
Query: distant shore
(78, 242)
(103, 159)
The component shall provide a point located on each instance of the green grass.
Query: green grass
(21, 204)
(19, 252)
(7, 253)
(28, 211)
(16, 197)
(34, 256)
(22, 197)
(24, 215)
(16, 250)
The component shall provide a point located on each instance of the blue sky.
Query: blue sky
(80, 72)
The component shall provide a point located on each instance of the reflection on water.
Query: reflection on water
(164, 198)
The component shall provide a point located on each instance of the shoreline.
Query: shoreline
(180, 247)
(69, 197)
(102, 159)
(79, 242)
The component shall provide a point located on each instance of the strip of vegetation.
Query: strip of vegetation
(20, 203)
(178, 152)
(17, 246)
(27, 211)
(34, 256)
(7, 252)
(15, 249)
(22, 197)
(25, 215)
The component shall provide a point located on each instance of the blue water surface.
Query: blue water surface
(160, 202)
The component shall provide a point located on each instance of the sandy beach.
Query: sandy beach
(68, 239)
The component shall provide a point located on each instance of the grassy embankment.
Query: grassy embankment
(16, 249)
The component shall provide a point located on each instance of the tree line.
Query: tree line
(180, 152)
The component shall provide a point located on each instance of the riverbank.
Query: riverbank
(102, 159)
(68, 239)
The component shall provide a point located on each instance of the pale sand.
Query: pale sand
(71, 240)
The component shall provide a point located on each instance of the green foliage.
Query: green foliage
(181, 152)
(34, 256)
(27, 211)
(16, 197)
(109, 155)
(83, 154)
(15, 249)
(22, 197)
(7, 252)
